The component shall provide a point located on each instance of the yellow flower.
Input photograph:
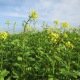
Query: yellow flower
(54, 36)
(3, 35)
(33, 14)
(65, 25)
(69, 44)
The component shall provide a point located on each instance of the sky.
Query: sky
(49, 10)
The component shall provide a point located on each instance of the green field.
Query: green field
(52, 53)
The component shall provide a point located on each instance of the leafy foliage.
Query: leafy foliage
(50, 54)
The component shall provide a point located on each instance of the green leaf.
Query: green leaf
(3, 74)
(1, 78)
(19, 58)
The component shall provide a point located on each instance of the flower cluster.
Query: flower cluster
(3, 35)
(69, 44)
(54, 36)
(65, 25)
(33, 14)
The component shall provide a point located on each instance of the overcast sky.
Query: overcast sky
(49, 10)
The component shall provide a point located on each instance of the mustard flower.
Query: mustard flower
(65, 25)
(33, 14)
(3, 35)
(54, 36)
(69, 44)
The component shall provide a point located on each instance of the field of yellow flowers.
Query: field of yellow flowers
(49, 54)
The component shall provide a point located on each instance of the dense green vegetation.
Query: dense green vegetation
(50, 54)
